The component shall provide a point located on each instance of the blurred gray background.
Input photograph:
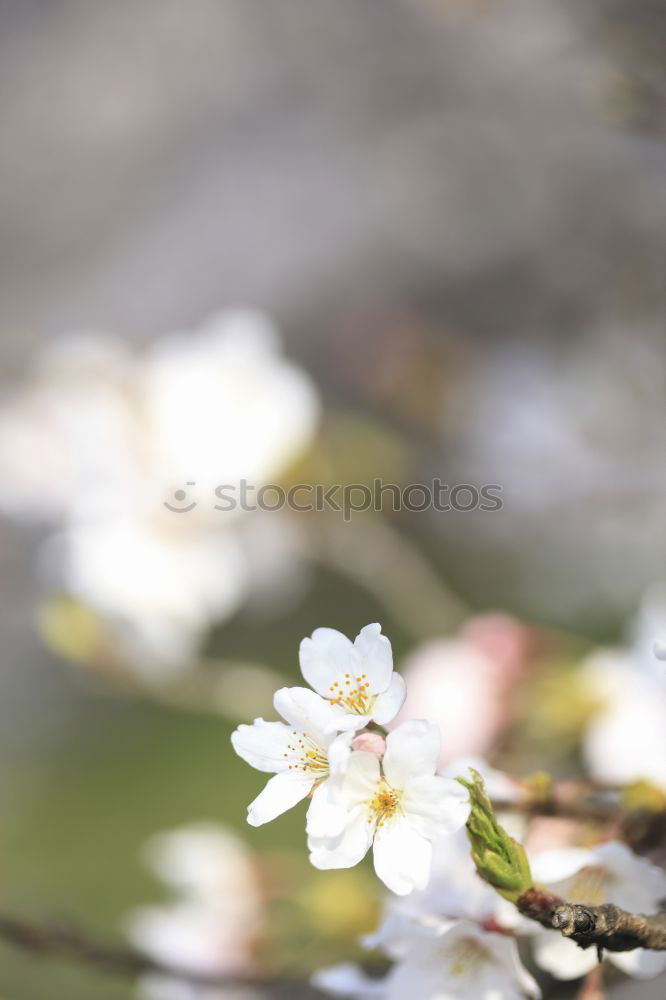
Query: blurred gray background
(483, 177)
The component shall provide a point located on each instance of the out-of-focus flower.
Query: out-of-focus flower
(213, 925)
(68, 436)
(449, 960)
(399, 808)
(462, 684)
(647, 634)
(625, 739)
(609, 873)
(102, 439)
(455, 892)
(500, 786)
(301, 754)
(356, 678)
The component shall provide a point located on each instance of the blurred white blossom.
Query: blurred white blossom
(462, 684)
(101, 438)
(447, 960)
(609, 873)
(215, 920)
(625, 739)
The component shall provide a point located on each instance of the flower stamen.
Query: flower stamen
(307, 755)
(384, 805)
(354, 694)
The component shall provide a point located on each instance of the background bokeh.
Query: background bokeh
(455, 210)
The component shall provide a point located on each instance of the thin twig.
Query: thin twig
(605, 927)
(50, 940)
(593, 985)
(392, 569)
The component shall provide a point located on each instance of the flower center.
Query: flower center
(385, 803)
(306, 755)
(353, 694)
(589, 885)
(466, 957)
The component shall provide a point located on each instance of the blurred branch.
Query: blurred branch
(593, 985)
(387, 565)
(53, 941)
(605, 927)
(568, 800)
(635, 818)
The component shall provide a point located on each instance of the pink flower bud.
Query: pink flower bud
(372, 742)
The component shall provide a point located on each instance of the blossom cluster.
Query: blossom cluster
(365, 791)
(447, 933)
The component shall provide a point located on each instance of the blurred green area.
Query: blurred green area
(74, 820)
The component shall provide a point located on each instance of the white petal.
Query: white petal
(306, 712)
(281, 793)
(436, 805)
(639, 963)
(505, 950)
(360, 777)
(264, 745)
(411, 751)
(343, 722)
(347, 980)
(562, 957)
(554, 866)
(339, 752)
(326, 658)
(390, 702)
(376, 657)
(402, 856)
(635, 884)
(348, 849)
(326, 817)
(445, 967)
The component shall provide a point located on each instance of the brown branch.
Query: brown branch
(606, 927)
(50, 940)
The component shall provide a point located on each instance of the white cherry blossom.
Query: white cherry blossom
(625, 740)
(399, 807)
(216, 914)
(301, 753)
(609, 873)
(450, 960)
(356, 678)
(455, 891)
(121, 451)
